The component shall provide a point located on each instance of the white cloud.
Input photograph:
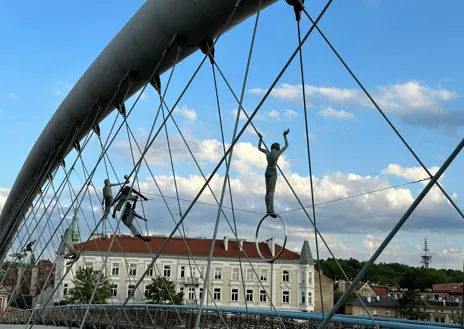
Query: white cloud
(413, 102)
(3, 195)
(412, 173)
(291, 113)
(186, 112)
(330, 112)
(12, 95)
(273, 114)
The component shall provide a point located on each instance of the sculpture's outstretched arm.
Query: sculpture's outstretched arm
(282, 150)
(260, 144)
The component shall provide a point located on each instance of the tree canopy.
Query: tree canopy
(391, 274)
(84, 283)
(162, 291)
(410, 306)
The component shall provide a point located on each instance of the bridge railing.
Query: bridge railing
(183, 316)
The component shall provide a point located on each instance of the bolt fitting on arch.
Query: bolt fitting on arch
(77, 146)
(207, 48)
(121, 109)
(156, 83)
(63, 163)
(298, 7)
(96, 130)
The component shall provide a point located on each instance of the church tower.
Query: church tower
(306, 279)
(75, 232)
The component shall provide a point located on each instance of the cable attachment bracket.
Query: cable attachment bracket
(96, 129)
(63, 163)
(298, 7)
(156, 83)
(77, 146)
(121, 109)
(207, 48)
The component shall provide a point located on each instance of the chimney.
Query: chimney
(368, 299)
(271, 244)
(226, 243)
(378, 298)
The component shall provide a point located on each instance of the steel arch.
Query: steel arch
(137, 48)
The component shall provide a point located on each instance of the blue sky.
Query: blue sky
(408, 56)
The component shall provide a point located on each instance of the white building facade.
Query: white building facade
(288, 282)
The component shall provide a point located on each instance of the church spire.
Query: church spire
(75, 232)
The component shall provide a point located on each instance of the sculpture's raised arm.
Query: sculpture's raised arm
(260, 144)
(286, 142)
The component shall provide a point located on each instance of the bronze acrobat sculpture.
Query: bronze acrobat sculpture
(271, 171)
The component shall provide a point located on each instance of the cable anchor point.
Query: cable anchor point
(96, 130)
(298, 7)
(62, 163)
(207, 48)
(77, 146)
(121, 109)
(156, 83)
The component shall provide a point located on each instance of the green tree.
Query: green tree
(84, 283)
(163, 291)
(410, 306)
(338, 294)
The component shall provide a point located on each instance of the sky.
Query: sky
(411, 67)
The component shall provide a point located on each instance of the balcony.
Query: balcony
(190, 281)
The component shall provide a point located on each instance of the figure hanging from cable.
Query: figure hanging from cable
(128, 217)
(126, 194)
(107, 201)
(72, 256)
(271, 171)
(28, 247)
(19, 255)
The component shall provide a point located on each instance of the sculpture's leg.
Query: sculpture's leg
(266, 197)
(108, 204)
(119, 205)
(272, 186)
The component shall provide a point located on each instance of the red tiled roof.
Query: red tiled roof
(176, 246)
(380, 291)
(449, 287)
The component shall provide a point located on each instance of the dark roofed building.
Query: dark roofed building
(377, 306)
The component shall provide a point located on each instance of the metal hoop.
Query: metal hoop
(271, 260)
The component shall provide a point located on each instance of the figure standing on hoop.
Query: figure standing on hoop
(108, 195)
(271, 171)
(126, 194)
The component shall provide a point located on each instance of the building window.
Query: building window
(65, 289)
(387, 312)
(150, 270)
(234, 295)
(249, 274)
(193, 272)
(89, 264)
(115, 269)
(146, 292)
(167, 271)
(217, 273)
(249, 295)
(310, 277)
(114, 290)
(191, 293)
(217, 294)
(262, 296)
(182, 271)
(202, 271)
(263, 276)
(302, 298)
(375, 312)
(310, 298)
(200, 294)
(285, 297)
(285, 276)
(133, 269)
(362, 311)
(235, 274)
(130, 289)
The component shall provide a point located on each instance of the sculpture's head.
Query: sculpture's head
(275, 146)
(107, 181)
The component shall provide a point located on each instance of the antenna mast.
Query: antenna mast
(426, 259)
